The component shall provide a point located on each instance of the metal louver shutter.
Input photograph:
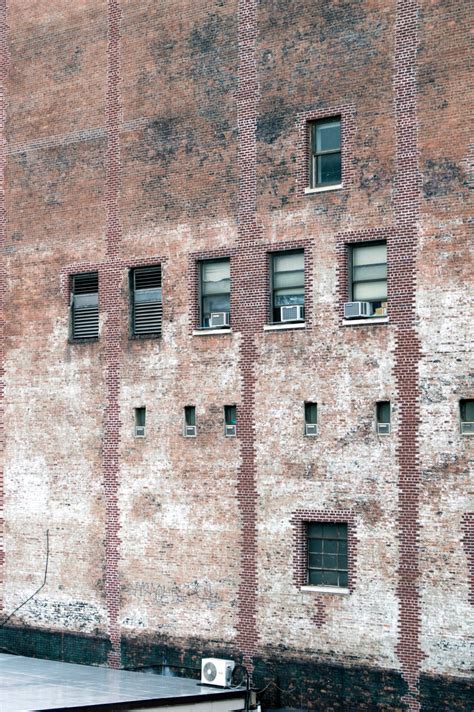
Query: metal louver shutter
(85, 306)
(147, 301)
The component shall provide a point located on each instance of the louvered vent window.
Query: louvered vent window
(147, 301)
(85, 306)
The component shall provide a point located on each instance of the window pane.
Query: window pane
(342, 562)
(329, 168)
(367, 272)
(330, 578)
(315, 560)
(383, 412)
(140, 415)
(190, 415)
(330, 546)
(330, 561)
(288, 279)
(369, 254)
(289, 296)
(343, 547)
(330, 530)
(223, 286)
(467, 411)
(315, 578)
(343, 579)
(315, 530)
(311, 414)
(369, 291)
(341, 532)
(215, 271)
(328, 136)
(288, 262)
(218, 303)
(230, 414)
(315, 545)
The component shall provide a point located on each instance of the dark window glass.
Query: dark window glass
(215, 293)
(147, 305)
(467, 410)
(327, 554)
(383, 412)
(190, 415)
(369, 276)
(140, 417)
(230, 414)
(310, 413)
(85, 306)
(325, 167)
(287, 277)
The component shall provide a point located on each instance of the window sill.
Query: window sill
(365, 322)
(78, 342)
(326, 589)
(211, 332)
(284, 327)
(142, 337)
(322, 189)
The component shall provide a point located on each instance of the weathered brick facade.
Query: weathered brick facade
(139, 133)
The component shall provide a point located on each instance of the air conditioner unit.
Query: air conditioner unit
(467, 428)
(383, 428)
(215, 671)
(310, 429)
(218, 319)
(190, 431)
(139, 431)
(292, 313)
(357, 310)
(230, 431)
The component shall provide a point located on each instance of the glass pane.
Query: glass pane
(366, 272)
(315, 529)
(223, 286)
(330, 530)
(330, 561)
(288, 279)
(215, 271)
(343, 580)
(341, 532)
(289, 296)
(288, 262)
(315, 545)
(342, 562)
(315, 578)
(311, 413)
(369, 254)
(328, 136)
(217, 303)
(343, 547)
(330, 578)
(467, 411)
(330, 546)
(230, 414)
(383, 412)
(140, 416)
(369, 291)
(329, 168)
(315, 560)
(190, 415)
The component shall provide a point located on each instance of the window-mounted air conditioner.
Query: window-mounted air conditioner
(139, 431)
(383, 428)
(467, 428)
(190, 431)
(310, 429)
(215, 671)
(218, 320)
(230, 431)
(357, 310)
(292, 313)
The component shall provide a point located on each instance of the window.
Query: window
(325, 163)
(310, 418)
(215, 294)
(327, 554)
(85, 306)
(140, 422)
(368, 276)
(287, 286)
(383, 415)
(230, 420)
(466, 407)
(190, 429)
(147, 305)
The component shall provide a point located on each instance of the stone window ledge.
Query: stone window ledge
(284, 327)
(323, 189)
(366, 322)
(326, 589)
(211, 332)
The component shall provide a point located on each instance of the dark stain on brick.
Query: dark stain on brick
(442, 177)
(272, 124)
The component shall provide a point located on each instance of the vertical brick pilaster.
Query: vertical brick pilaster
(110, 303)
(407, 345)
(3, 147)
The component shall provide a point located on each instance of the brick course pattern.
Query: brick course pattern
(3, 221)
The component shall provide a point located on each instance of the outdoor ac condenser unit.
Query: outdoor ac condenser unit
(215, 671)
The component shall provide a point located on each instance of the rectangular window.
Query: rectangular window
(327, 554)
(140, 422)
(147, 305)
(190, 429)
(325, 163)
(230, 420)
(368, 277)
(287, 286)
(310, 418)
(466, 407)
(383, 416)
(215, 294)
(85, 306)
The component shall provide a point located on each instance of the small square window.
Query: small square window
(325, 154)
(230, 421)
(327, 562)
(85, 306)
(368, 278)
(190, 429)
(310, 418)
(214, 297)
(147, 305)
(140, 422)
(287, 286)
(466, 408)
(383, 417)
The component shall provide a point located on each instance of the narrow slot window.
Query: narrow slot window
(85, 306)
(327, 554)
(230, 420)
(287, 286)
(466, 408)
(310, 418)
(383, 417)
(190, 429)
(325, 165)
(147, 304)
(215, 294)
(140, 422)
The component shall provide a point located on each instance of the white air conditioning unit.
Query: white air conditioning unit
(215, 671)
(357, 310)
(230, 431)
(311, 429)
(292, 313)
(139, 431)
(218, 320)
(190, 431)
(467, 428)
(383, 428)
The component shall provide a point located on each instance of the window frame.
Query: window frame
(73, 309)
(314, 155)
(272, 256)
(132, 289)
(469, 431)
(350, 274)
(307, 422)
(201, 296)
(340, 572)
